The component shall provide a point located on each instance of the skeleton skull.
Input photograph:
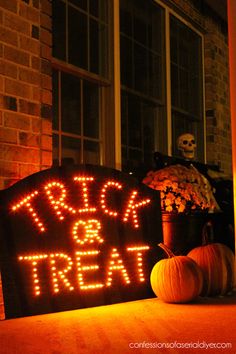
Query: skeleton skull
(187, 145)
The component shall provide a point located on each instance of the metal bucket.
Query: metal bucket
(181, 232)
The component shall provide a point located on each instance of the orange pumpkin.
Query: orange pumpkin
(217, 264)
(177, 279)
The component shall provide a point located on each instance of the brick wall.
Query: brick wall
(25, 91)
(216, 63)
(25, 88)
(218, 123)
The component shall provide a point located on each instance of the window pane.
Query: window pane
(98, 48)
(70, 104)
(155, 76)
(155, 29)
(186, 85)
(134, 124)
(58, 29)
(55, 149)
(142, 47)
(140, 28)
(124, 120)
(174, 86)
(125, 21)
(91, 110)
(98, 8)
(78, 38)
(94, 46)
(186, 65)
(126, 62)
(148, 112)
(71, 150)
(135, 158)
(55, 101)
(80, 3)
(140, 68)
(91, 152)
(142, 58)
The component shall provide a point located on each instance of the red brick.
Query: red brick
(36, 124)
(29, 76)
(46, 142)
(27, 169)
(29, 13)
(46, 67)
(1, 16)
(16, 56)
(45, 21)
(35, 63)
(36, 3)
(17, 153)
(1, 118)
(46, 7)
(16, 120)
(8, 102)
(46, 52)
(46, 37)
(17, 88)
(8, 69)
(28, 107)
(8, 169)
(8, 135)
(10, 5)
(2, 186)
(46, 127)
(29, 139)
(46, 82)
(29, 44)
(1, 84)
(46, 158)
(8, 36)
(36, 93)
(16, 23)
(46, 97)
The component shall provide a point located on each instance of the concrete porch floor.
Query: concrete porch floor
(131, 327)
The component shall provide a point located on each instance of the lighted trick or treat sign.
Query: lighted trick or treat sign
(74, 237)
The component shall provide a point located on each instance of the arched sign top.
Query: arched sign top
(77, 236)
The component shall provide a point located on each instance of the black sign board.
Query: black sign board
(77, 236)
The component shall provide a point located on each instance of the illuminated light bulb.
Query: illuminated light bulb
(60, 274)
(131, 208)
(58, 202)
(90, 232)
(109, 184)
(30, 209)
(139, 257)
(116, 265)
(34, 262)
(84, 180)
(81, 269)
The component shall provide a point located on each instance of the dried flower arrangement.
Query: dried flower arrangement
(183, 189)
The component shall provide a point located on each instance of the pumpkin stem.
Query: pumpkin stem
(169, 253)
(207, 233)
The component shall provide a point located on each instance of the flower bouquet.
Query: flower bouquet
(182, 190)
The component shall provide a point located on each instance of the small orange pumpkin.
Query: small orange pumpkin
(217, 263)
(177, 279)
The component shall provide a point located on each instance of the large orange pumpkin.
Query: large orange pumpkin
(177, 279)
(218, 266)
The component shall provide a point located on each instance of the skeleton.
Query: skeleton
(186, 144)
